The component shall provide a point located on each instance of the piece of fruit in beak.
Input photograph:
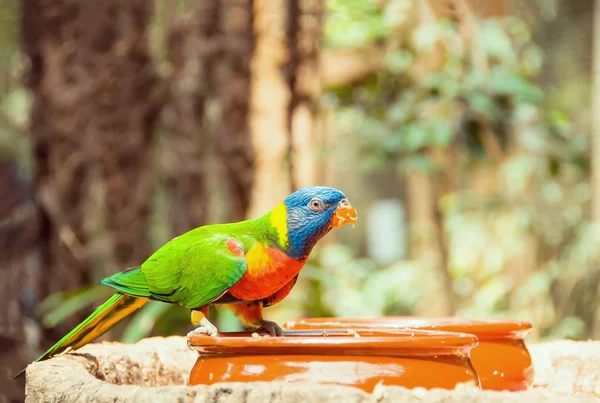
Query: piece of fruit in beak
(345, 214)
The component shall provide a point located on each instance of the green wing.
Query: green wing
(192, 270)
(130, 282)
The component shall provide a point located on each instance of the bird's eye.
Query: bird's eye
(316, 205)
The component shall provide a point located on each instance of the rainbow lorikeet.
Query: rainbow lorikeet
(247, 265)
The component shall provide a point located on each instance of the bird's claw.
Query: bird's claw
(271, 327)
(205, 327)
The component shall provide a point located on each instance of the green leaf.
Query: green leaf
(176, 319)
(313, 272)
(441, 133)
(60, 306)
(398, 62)
(144, 321)
(53, 301)
(397, 113)
(414, 137)
(414, 163)
(532, 60)
(228, 322)
(496, 42)
(570, 327)
(397, 12)
(559, 120)
(482, 103)
(518, 30)
(373, 163)
(353, 23)
(451, 88)
(392, 143)
(426, 35)
(505, 82)
(17, 104)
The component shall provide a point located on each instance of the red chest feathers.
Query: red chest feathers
(269, 269)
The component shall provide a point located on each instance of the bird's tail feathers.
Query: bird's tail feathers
(99, 322)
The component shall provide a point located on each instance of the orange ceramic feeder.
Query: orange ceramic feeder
(501, 358)
(413, 358)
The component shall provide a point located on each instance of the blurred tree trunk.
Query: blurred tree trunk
(458, 10)
(270, 97)
(290, 74)
(235, 144)
(92, 118)
(208, 112)
(285, 88)
(193, 44)
(428, 243)
(595, 149)
(343, 67)
(19, 236)
(304, 30)
(61, 87)
(122, 117)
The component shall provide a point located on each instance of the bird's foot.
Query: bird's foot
(271, 327)
(205, 327)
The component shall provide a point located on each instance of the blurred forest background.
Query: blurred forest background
(463, 131)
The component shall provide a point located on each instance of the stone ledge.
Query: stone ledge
(156, 369)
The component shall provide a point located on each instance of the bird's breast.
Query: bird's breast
(268, 270)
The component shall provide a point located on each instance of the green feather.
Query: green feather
(195, 268)
(130, 282)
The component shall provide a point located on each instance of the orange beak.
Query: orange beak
(345, 214)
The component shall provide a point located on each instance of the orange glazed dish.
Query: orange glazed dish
(501, 358)
(414, 358)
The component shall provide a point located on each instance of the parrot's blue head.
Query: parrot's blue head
(311, 213)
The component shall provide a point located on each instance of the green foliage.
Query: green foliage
(346, 285)
(353, 22)
(60, 306)
(142, 323)
(523, 249)
(17, 104)
(402, 112)
(14, 119)
(9, 14)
